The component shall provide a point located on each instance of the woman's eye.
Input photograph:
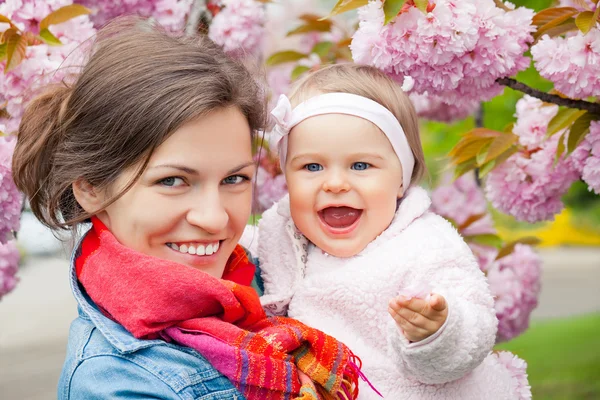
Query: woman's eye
(235, 179)
(360, 166)
(313, 167)
(172, 181)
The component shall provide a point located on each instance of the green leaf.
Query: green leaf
(422, 5)
(391, 8)
(464, 167)
(6, 20)
(560, 149)
(510, 247)
(486, 168)
(486, 239)
(578, 131)
(311, 26)
(563, 119)
(498, 146)
(49, 38)
(284, 56)
(549, 15)
(551, 18)
(3, 47)
(346, 5)
(16, 46)
(63, 14)
(567, 26)
(322, 48)
(471, 220)
(299, 70)
(585, 21)
(483, 153)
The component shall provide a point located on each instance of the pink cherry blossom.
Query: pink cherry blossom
(43, 63)
(518, 370)
(269, 189)
(529, 184)
(515, 282)
(10, 197)
(171, 14)
(456, 51)
(587, 158)
(577, 4)
(571, 63)
(437, 109)
(461, 199)
(533, 117)
(239, 27)
(9, 265)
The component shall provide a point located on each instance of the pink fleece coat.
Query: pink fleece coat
(348, 299)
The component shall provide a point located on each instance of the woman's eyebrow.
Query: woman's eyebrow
(183, 168)
(240, 167)
(192, 171)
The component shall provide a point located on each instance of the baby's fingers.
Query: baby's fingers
(438, 302)
(410, 331)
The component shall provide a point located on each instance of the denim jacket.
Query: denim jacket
(104, 361)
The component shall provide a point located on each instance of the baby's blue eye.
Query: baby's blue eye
(360, 166)
(313, 167)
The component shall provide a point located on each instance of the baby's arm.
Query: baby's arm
(468, 333)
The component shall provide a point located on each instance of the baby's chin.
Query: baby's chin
(341, 248)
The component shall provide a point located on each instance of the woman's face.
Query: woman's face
(192, 202)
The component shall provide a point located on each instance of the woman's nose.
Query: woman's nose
(208, 213)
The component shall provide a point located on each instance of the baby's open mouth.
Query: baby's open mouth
(339, 217)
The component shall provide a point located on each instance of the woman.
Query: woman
(152, 145)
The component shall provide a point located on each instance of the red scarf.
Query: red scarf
(266, 358)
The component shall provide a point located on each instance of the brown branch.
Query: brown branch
(500, 4)
(550, 98)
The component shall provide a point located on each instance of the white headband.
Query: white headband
(344, 103)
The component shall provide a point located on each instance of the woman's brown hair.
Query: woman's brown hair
(138, 87)
(369, 82)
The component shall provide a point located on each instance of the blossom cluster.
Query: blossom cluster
(514, 279)
(10, 198)
(42, 63)
(239, 27)
(572, 63)
(434, 108)
(269, 179)
(9, 263)
(455, 52)
(530, 184)
(169, 13)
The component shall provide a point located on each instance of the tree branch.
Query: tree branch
(198, 13)
(550, 98)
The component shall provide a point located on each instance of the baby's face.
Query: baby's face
(344, 180)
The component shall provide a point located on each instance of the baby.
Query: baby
(354, 250)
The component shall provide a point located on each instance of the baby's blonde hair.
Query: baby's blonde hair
(369, 82)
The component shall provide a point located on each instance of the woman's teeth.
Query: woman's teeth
(198, 249)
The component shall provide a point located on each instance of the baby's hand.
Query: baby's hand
(419, 318)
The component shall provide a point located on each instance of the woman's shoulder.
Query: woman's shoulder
(95, 368)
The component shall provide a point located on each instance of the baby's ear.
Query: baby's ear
(401, 191)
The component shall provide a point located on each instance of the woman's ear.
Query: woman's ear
(88, 197)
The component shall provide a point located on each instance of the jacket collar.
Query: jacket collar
(123, 341)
